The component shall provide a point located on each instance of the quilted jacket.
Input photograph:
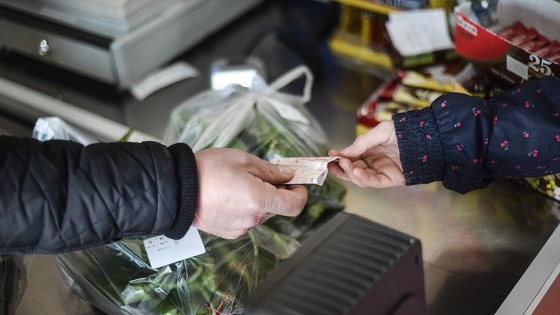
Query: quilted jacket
(57, 196)
(467, 142)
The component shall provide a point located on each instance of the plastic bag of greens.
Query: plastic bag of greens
(268, 123)
(118, 279)
(13, 282)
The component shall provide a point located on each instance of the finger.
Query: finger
(334, 153)
(336, 170)
(370, 178)
(288, 202)
(359, 146)
(270, 173)
(348, 168)
(390, 170)
(350, 173)
(370, 139)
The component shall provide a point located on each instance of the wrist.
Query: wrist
(420, 148)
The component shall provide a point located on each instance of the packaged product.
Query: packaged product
(519, 47)
(407, 90)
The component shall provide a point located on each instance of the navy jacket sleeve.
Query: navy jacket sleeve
(467, 142)
(59, 196)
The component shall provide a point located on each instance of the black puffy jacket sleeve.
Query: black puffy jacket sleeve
(467, 142)
(58, 196)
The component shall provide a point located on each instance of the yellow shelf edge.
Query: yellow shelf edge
(369, 6)
(362, 53)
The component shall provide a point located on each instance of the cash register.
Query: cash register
(117, 42)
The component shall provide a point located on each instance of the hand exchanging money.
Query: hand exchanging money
(238, 191)
(373, 160)
(307, 170)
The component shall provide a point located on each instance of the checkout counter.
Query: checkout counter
(475, 247)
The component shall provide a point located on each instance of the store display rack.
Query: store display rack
(361, 36)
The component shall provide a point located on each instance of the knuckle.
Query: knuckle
(256, 204)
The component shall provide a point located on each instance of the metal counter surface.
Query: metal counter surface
(475, 246)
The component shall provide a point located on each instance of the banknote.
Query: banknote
(307, 170)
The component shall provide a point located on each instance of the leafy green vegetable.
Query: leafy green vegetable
(118, 276)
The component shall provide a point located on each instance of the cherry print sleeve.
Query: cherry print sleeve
(467, 142)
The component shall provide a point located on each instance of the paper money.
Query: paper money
(307, 170)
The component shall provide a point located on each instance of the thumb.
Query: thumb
(370, 139)
(270, 173)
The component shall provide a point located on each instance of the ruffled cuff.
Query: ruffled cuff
(420, 146)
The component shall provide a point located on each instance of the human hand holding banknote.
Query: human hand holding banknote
(238, 191)
(307, 170)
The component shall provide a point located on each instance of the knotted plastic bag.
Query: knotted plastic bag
(253, 118)
(266, 122)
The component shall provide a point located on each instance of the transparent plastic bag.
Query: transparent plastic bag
(47, 128)
(117, 278)
(256, 116)
(267, 123)
(13, 282)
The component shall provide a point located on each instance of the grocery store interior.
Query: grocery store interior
(105, 69)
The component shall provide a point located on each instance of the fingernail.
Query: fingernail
(286, 170)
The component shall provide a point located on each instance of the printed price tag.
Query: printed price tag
(415, 32)
(517, 67)
(307, 170)
(163, 251)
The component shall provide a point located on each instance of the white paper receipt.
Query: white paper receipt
(307, 170)
(163, 251)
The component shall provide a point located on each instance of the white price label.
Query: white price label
(515, 66)
(163, 251)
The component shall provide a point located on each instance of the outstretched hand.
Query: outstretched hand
(372, 160)
(238, 191)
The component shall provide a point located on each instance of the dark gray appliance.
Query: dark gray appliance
(350, 266)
